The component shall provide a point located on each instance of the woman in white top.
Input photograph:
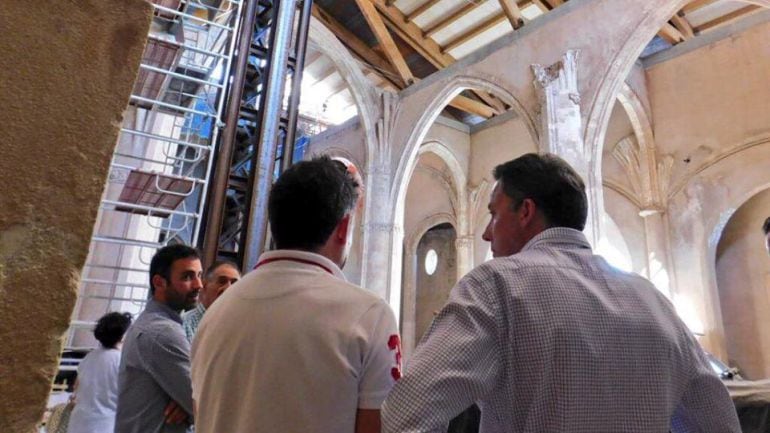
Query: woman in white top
(96, 388)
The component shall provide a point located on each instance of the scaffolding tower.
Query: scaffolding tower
(161, 167)
(258, 139)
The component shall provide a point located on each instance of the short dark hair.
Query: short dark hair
(308, 201)
(111, 327)
(165, 257)
(554, 186)
(217, 264)
(766, 226)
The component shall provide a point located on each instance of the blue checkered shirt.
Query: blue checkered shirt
(191, 320)
(554, 339)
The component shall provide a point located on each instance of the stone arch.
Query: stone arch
(365, 95)
(409, 296)
(614, 79)
(408, 157)
(458, 178)
(432, 111)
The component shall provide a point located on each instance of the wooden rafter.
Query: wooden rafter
(386, 41)
(472, 106)
(513, 12)
(425, 46)
(421, 9)
(358, 47)
(684, 26)
(726, 18)
(472, 33)
(383, 70)
(454, 16)
(671, 34)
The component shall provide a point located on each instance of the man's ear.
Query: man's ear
(341, 233)
(528, 211)
(158, 282)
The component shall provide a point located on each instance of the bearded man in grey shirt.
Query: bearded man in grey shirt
(154, 389)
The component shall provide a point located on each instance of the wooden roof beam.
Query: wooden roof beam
(454, 16)
(513, 12)
(386, 41)
(472, 106)
(684, 27)
(726, 18)
(421, 9)
(425, 46)
(358, 47)
(472, 33)
(671, 34)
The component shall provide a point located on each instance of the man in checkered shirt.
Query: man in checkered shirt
(548, 337)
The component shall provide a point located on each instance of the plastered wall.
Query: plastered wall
(66, 71)
(711, 113)
(743, 279)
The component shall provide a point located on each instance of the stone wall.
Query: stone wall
(66, 73)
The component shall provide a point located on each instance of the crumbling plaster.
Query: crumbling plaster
(67, 71)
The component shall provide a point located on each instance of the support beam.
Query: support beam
(726, 18)
(472, 33)
(358, 47)
(512, 11)
(425, 46)
(386, 41)
(421, 9)
(684, 27)
(472, 106)
(671, 34)
(454, 16)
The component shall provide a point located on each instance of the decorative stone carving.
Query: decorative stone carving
(649, 177)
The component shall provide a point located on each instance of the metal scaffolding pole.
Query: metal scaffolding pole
(216, 205)
(269, 126)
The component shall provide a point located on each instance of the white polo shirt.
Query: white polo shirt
(293, 347)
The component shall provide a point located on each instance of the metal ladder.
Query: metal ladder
(160, 170)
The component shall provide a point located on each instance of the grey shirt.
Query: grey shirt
(154, 369)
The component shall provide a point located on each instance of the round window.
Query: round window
(431, 262)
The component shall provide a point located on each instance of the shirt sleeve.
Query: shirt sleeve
(167, 360)
(455, 364)
(381, 364)
(705, 405)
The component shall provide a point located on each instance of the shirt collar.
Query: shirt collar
(558, 235)
(303, 255)
(154, 306)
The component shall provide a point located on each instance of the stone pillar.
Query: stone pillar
(649, 179)
(409, 304)
(55, 163)
(659, 264)
(562, 130)
(464, 248)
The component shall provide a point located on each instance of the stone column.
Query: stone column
(659, 264)
(562, 130)
(409, 304)
(464, 248)
(649, 180)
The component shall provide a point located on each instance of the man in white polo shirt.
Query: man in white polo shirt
(293, 347)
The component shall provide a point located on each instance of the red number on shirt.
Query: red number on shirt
(394, 343)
